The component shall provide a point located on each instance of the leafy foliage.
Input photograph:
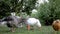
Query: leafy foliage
(8, 6)
(48, 12)
(4, 9)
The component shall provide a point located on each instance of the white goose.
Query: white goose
(32, 22)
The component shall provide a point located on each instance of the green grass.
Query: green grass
(43, 30)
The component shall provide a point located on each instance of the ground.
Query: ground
(43, 30)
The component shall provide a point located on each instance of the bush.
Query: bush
(48, 12)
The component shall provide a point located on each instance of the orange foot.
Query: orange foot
(28, 27)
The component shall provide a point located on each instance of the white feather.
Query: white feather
(33, 21)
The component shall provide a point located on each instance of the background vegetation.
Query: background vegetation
(46, 12)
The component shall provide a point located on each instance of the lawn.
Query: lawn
(44, 30)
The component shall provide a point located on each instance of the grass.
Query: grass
(43, 30)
